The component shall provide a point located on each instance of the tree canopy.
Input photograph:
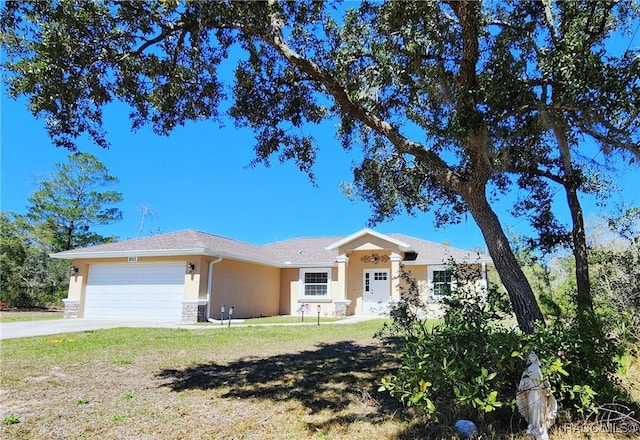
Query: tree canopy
(74, 200)
(450, 102)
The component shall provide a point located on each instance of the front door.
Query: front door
(377, 289)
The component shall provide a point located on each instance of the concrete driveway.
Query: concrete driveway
(10, 330)
(26, 329)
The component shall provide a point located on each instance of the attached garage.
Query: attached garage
(146, 291)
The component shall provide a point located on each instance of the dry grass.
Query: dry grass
(238, 383)
(29, 315)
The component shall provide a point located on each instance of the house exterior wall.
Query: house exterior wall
(420, 273)
(195, 283)
(253, 289)
(290, 290)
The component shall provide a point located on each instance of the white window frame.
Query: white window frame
(302, 284)
(430, 274)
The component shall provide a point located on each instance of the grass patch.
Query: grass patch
(262, 382)
(10, 419)
(288, 319)
(21, 316)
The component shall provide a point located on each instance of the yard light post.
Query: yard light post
(222, 314)
(318, 308)
(230, 315)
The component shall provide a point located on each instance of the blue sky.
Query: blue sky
(198, 178)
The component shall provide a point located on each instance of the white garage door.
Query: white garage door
(135, 291)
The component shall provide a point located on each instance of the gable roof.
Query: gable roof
(187, 242)
(319, 251)
(361, 233)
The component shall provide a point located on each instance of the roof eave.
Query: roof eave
(164, 253)
(446, 260)
(70, 255)
(291, 265)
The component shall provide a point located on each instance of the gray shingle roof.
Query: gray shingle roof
(297, 251)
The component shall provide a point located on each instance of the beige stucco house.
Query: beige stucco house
(189, 275)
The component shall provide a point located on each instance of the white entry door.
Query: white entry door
(377, 289)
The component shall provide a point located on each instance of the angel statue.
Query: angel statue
(535, 401)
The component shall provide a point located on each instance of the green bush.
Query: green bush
(470, 364)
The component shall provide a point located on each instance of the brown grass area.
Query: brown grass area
(238, 383)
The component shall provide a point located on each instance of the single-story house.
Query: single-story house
(189, 275)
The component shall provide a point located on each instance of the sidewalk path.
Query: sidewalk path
(27, 329)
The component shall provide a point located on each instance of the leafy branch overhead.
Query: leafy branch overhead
(447, 100)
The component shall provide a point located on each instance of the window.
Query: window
(380, 276)
(377, 276)
(315, 283)
(441, 282)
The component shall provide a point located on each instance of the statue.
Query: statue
(535, 401)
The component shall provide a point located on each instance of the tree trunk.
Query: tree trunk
(522, 298)
(583, 283)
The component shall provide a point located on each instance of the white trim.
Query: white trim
(308, 300)
(366, 231)
(70, 255)
(444, 262)
(311, 265)
(301, 283)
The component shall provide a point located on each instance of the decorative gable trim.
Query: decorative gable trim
(366, 231)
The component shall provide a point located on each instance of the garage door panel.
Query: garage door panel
(140, 291)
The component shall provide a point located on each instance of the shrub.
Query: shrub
(470, 364)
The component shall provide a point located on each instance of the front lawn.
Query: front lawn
(29, 315)
(260, 382)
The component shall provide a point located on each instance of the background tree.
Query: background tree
(575, 85)
(29, 277)
(61, 215)
(437, 94)
(72, 202)
(615, 263)
(13, 255)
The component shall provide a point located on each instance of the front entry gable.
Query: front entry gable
(368, 240)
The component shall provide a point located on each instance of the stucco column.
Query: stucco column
(341, 285)
(395, 276)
